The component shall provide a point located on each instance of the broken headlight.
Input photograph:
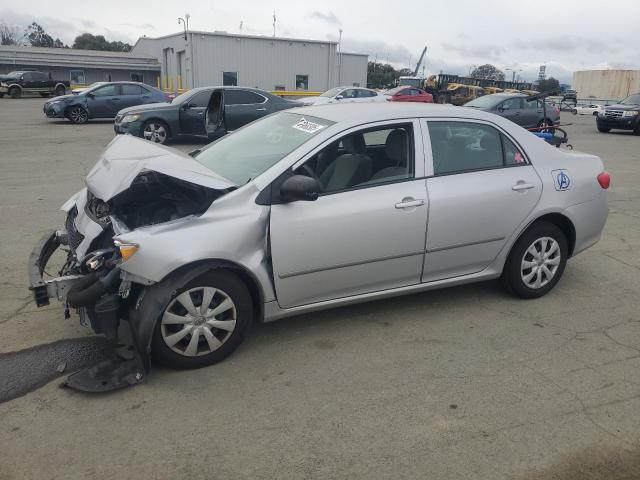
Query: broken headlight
(97, 209)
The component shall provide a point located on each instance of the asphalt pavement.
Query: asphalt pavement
(460, 383)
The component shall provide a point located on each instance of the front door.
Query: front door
(512, 109)
(104, 102)
(365, 233)
(193, 114)
(482, 190)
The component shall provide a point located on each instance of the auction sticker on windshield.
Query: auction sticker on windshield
(306, 126)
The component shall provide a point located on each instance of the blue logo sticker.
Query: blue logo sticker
(561, 179)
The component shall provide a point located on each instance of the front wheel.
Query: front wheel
(604, 130)
(155, 131)
(202, 322)
(78, 115)
(536, 262)
(15, 92)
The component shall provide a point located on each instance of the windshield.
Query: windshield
(632, 100)
(393, 91)
(488, 101)
(252, 150)
(14, 74)
(332, 93)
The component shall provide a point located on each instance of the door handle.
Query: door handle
(261, 109)
(409, 203)
(521, 186)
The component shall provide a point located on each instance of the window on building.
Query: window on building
(137, 77)
(230, 79)
(280, 88)
(302, 82)
(356, 84)
(77, 77)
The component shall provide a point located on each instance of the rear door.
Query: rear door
(482, 189)
(531, 114)
(133, 95)
(243, 106)
(193, 114)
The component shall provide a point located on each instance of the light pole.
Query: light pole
(185, 22)
(513, 73)
(472, 67)
(340, 57)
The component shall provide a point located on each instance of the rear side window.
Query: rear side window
(463, 147)
(128, 89)
(200, 99)
(106, 91)
(242, 97)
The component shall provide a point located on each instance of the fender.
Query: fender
(12, 85)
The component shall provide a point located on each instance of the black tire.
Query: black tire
(595, 114)
(15, 92)
(604, 130)
(1, 95)
(636, 130)
(60, 90)
(574, 112)
(44, 94)
(162, 140)
(222, 280)
(512, 274)
(77, 114)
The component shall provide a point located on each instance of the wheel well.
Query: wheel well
(70, 107)
(11, 87)
(564, 224)
(202, 266)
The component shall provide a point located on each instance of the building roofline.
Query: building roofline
(218, 33)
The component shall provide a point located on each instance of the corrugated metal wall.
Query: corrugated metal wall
(263, 63)
(91, 75)
(606, 84)
(260, 62)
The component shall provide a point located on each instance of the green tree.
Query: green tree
(548, 85)
(8, 35)
(87, 41)
(37, 37)
(383, 75)
(488, 72)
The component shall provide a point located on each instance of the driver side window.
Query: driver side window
(364, 158)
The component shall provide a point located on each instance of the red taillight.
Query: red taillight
(558, 111)
(604, 179)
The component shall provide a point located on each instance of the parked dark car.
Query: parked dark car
(622, 116)
(16, 83)
(403, 93)
(515, 107)
(206, 112)
(102, 100)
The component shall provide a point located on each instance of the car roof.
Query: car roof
(381, 111)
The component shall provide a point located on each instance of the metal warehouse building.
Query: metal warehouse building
(606, 84)
(81, 67)
(268, 63)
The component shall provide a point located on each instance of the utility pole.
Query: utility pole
(274, 23)
(340, 57)
(185, 22)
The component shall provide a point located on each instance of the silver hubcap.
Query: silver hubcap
(78, 115)
(540, 262)
(198, 321)
(155, 133)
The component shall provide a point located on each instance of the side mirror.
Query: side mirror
(187, 106)
(300, 187)
(91, 95)
(339, 97)
(502, 108)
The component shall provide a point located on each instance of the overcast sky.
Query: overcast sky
(566, 35)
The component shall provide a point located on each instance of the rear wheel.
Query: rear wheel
(574, 111)
(536, 261)
(202, 322)
(604, 130)
(78, 115)
(15, 92)
(546, 126)
(60, 90)
(44, 94)
(155, 131)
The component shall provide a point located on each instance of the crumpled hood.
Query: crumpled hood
(62, 98)
(146, 108)
(126, 157)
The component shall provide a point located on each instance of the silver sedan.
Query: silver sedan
(314, 208)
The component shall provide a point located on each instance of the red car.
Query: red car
(403, 93)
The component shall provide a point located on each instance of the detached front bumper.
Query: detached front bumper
(101, 311)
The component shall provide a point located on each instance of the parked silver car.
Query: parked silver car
(309, 209)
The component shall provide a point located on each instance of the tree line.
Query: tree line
(35, 36)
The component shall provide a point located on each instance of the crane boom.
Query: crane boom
(415, 72)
